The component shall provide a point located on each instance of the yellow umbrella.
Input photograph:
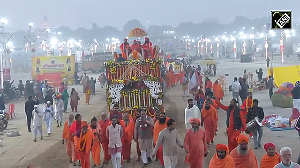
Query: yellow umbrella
(137, 32)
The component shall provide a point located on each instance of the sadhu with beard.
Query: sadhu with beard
(209, 117)
(94, 127)
(195, 144)
(85, 144)
(243, 155)
(221, 159)
(271, 158)
(104, 123)
(127, 136)
(235, 122)
(159, 125)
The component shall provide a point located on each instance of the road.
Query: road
(22, 151)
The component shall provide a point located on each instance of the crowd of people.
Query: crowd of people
(157, 138)
(242, 110)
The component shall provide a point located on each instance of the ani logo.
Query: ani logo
(281, 19)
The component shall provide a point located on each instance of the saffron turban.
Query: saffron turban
(222, 147)
(267, 145)
(195, 121)
(242, 138)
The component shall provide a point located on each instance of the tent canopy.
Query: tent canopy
(285, 74)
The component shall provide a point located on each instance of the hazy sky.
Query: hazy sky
(78, 13)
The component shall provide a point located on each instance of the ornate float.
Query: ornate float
(135, 84)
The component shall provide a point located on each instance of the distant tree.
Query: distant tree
(95, 26)
(131, 25)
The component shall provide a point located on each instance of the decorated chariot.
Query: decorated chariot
(135, 83)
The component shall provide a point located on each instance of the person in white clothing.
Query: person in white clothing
(114, 134)
(235, 88)
(191, 111)
(286, 159)
(59, 109)
(48, 117)
(37, 123)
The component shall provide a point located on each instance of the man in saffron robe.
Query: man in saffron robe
(135, 46)
(74, 131)
(94, 127)
(221, 159)
(172, 77)
(127, 136)
(159, 125)
(68, 139)
(218, 91)
(208, 83)
(210, 119)
(247, 104)
(195, 144)
(243, 155)
(211, 101)
(234, 121)
(148, 48)
(125, 49)
(85, 139)
(104, 123)
(271, 158)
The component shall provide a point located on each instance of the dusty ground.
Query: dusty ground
(51, 153)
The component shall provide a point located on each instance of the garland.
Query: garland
(111, 64)
(136, 79)
(84, 142)
(247, 105)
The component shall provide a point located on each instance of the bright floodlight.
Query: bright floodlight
(217, 39)
(261, 35)
(59, 33)
(3, 21)
(252, 28)
(272, 33)
(30, 24)
(243, 28)
(53, 41)
(232, 39)
(286, 31)
(251, 36)
(244, 36)
(9, 44)
(71, 41)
